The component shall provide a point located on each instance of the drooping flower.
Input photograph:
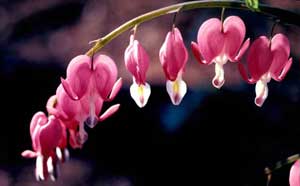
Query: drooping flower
(294, 178)
(79, 99)
(173, 57)
(46, 135)
(266, 60)
(219, 42)
(137, 63)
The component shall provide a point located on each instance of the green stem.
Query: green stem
(284, 15)
(280, 164)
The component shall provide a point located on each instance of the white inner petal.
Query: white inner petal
(66, 154)
(140, 93)
(50, 165)
(219, 80)
(59, 153)
(176, 90)
(39, 174)
(261, 89)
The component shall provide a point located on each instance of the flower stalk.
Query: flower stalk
(284, 15)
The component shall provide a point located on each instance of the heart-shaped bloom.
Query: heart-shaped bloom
(137, 63)
(47, 135)
(93, 77)
(294, 178)
(173, 57)
(219, 42)
(266, 60)
(79, 99)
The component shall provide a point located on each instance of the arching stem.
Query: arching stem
(284, 15)
(280, 164)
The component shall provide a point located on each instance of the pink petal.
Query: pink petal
(105, 75)
(259, 57)
(66, 108)
(68, 89)
(173, 54)
(115, 90)
(29, 154)
(73, 140)
(280, 48)
(63, 140)
(234, 32)
(210, 39)
(242, 50)
(244, 74)
(109, 112)
(294, 178)
(49, 135)
(78, 76)
(136, 60)
(37, 121)
(286, 68)
(38, 118)
(197, 54)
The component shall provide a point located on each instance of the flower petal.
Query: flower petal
(37, 121)
(115, 89)
(259, 57)
(197, 54)
(66, 108)
(136, 60)
(281, 75)
(110, 111)
(218, 80)
(294, 178)
(140, 93)
(210, 39)
(176, 90)
(244, 74)
(242, 50)
(40, 168)
(261, 90)
(173, 54)
(105, 75)
(29, 154)
(78, 76)
(280, 48)
(234, 32)
(49, 135)
(68, 89)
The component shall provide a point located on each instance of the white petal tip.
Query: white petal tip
(259, 102)
(218, 84)
(176, 90)
(140, 94)
(261, 90)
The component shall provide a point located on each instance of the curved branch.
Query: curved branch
(281, 14)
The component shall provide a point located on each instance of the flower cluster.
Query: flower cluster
(77, 103)
(217, 42)
(92, 81)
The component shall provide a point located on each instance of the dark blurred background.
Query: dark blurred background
(212, 137)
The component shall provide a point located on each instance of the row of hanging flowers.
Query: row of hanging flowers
(91, 80)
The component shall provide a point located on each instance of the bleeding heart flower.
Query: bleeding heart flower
(265, 60)
(294, 178)
(219, 42)
(88, 84)
(173, 57)
(47, 136)
(76, 114)
(137, 63)
(93, 77)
